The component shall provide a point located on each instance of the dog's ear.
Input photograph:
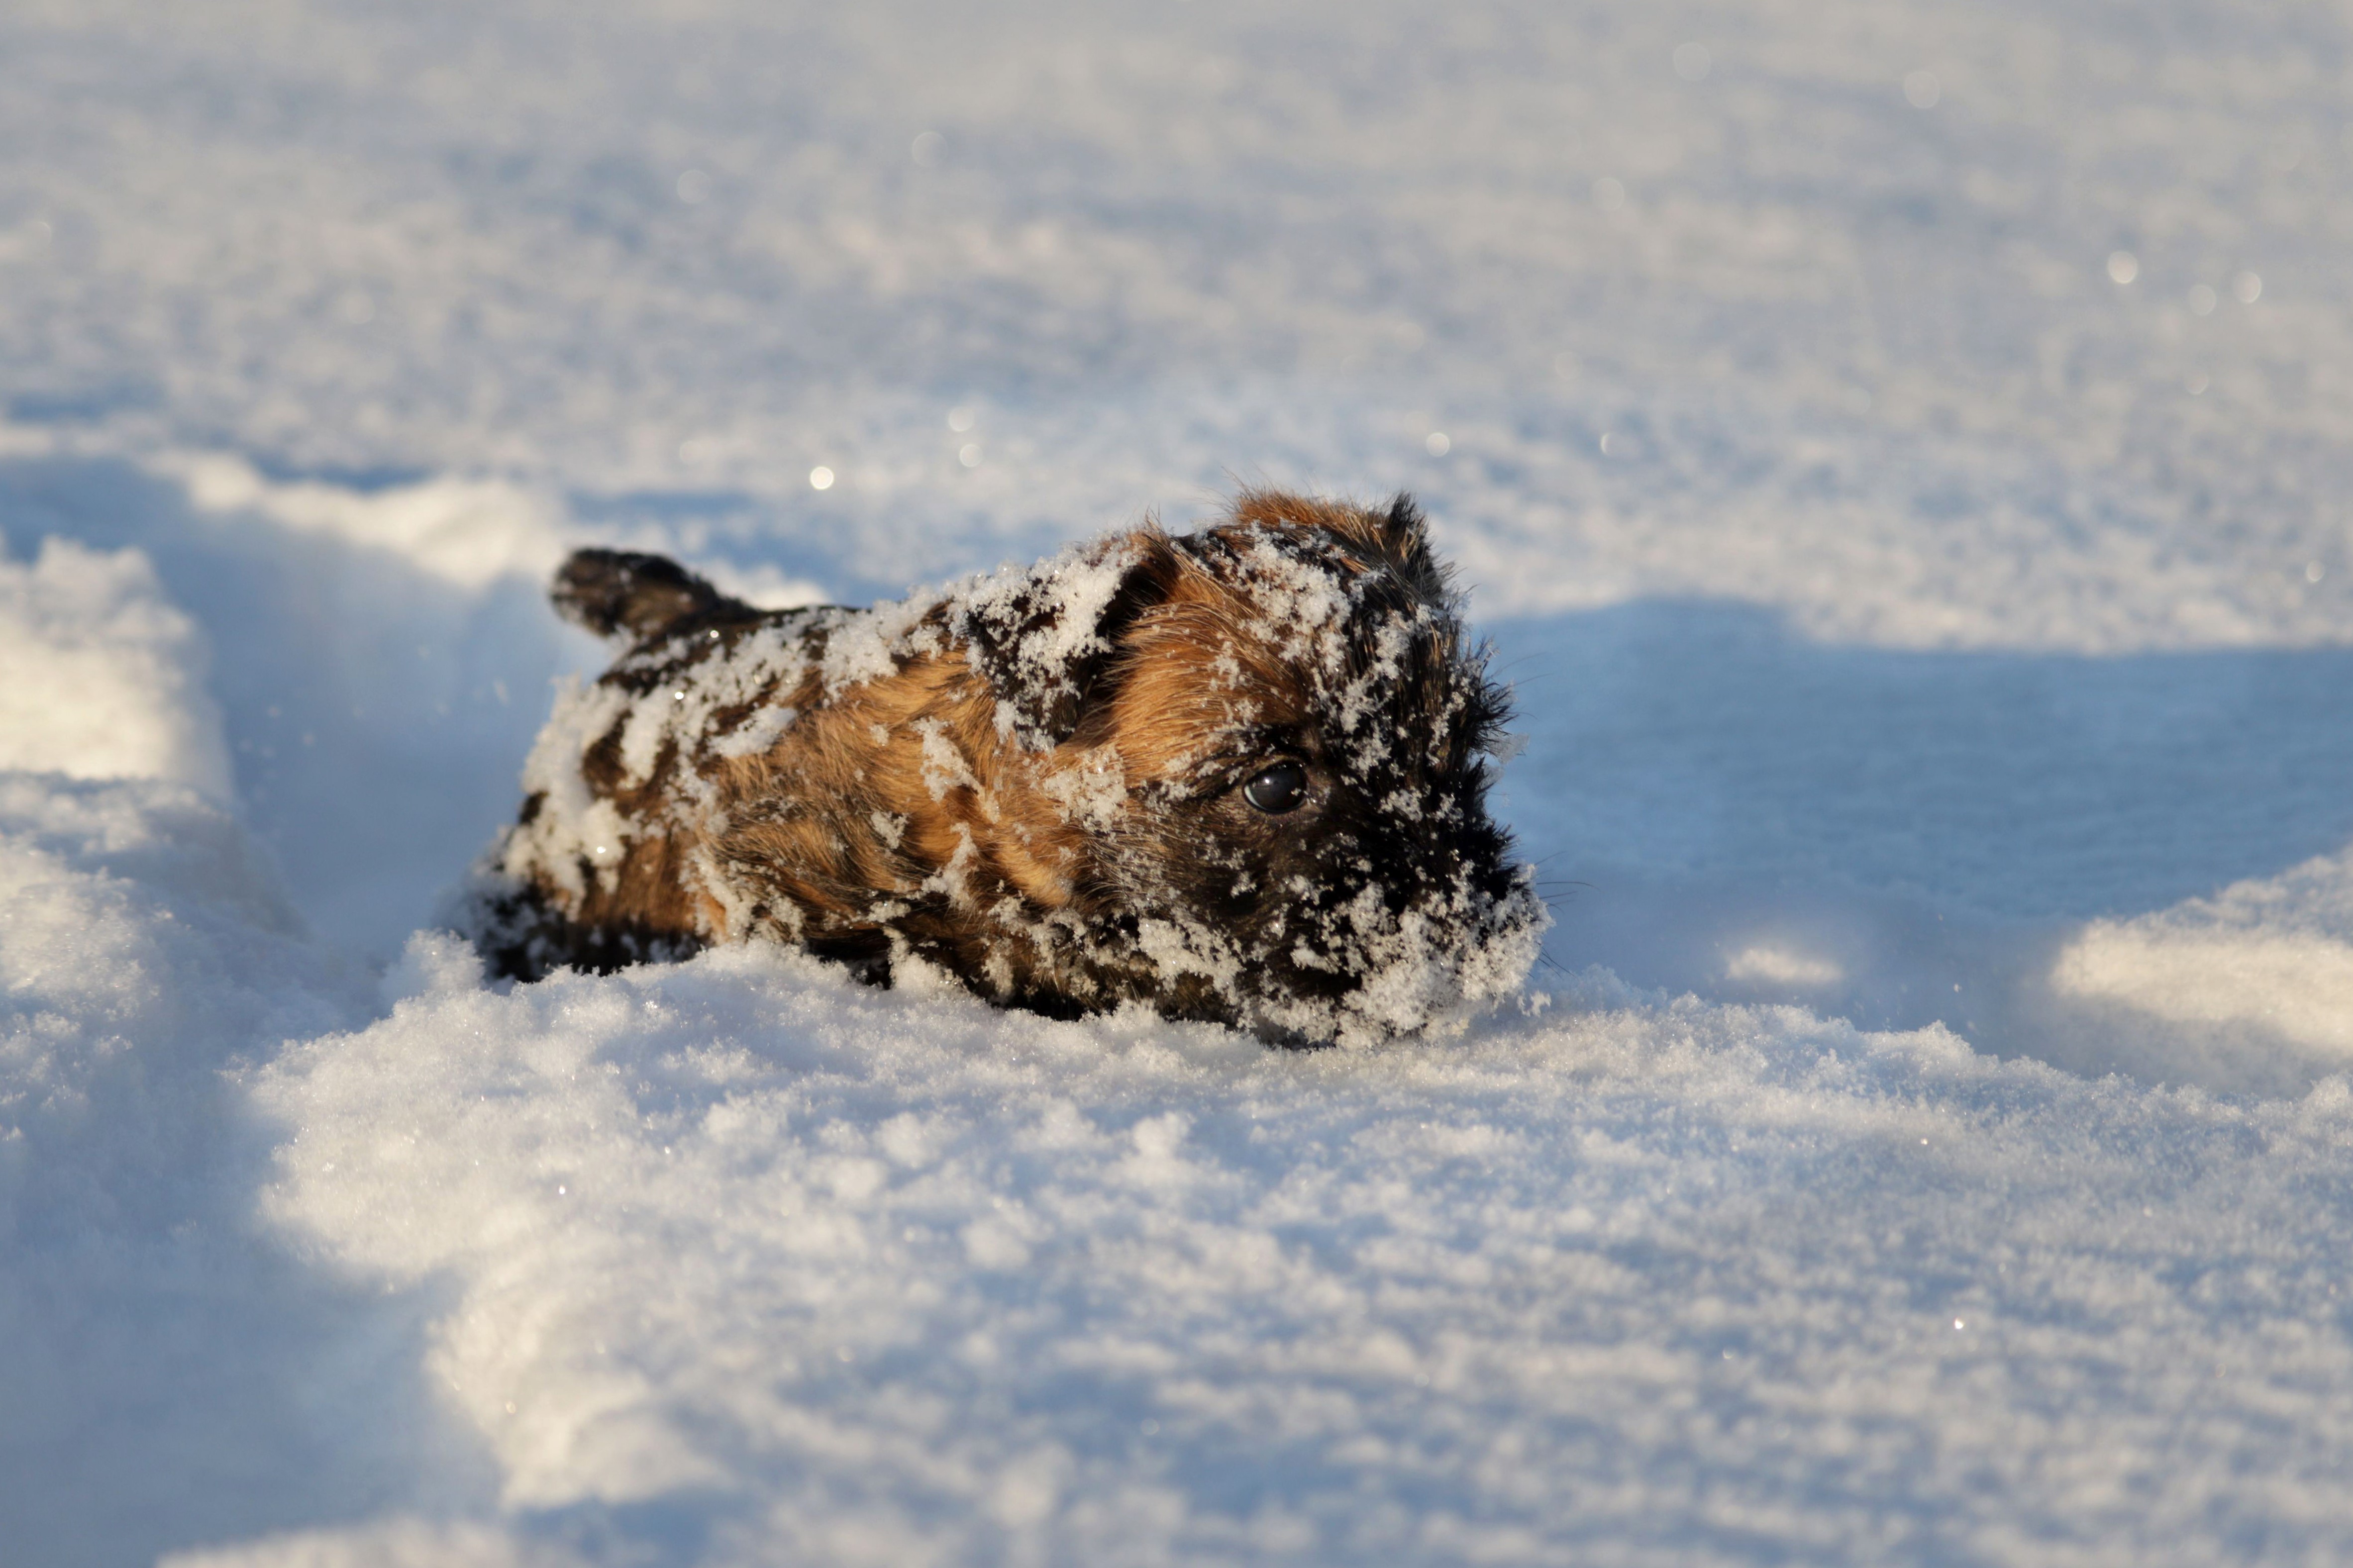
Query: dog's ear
(624, 594)
(1398, 537)
(1043, 639)
(1394, 538)
(1404, 534)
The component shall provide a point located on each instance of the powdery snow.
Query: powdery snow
(887, 1278)
(1899, 450)
(100, 677)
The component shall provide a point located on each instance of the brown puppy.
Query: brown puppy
(1235, 775)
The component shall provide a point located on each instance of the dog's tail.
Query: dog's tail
(622, 592)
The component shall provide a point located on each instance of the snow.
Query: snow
(108, 677)
(890, 1278)
(1898, 450)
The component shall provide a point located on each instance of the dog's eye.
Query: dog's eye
(1277, 789)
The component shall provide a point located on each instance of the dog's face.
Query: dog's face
(1273, 750)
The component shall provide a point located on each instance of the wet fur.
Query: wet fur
(1033, 782)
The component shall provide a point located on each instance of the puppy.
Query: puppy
(1237, 776)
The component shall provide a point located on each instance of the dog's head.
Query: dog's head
(1271, 738)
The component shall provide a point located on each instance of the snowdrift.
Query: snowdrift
(1898, 455)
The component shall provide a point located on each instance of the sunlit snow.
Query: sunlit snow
(1899, 451)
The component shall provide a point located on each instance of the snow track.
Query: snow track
(1898, 449)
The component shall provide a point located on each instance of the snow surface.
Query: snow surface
(1899, 450)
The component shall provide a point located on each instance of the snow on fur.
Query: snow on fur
(1329, 641)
